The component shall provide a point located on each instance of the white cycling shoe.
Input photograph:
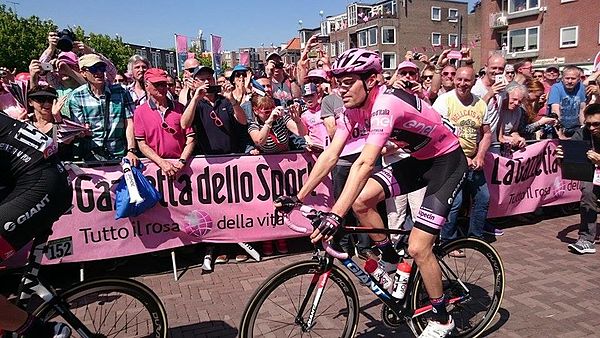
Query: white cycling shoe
(438, 330)
(61, 331)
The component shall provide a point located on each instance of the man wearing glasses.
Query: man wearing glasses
(218, 120)
(107, 109)
(157, 125)
(189, 66)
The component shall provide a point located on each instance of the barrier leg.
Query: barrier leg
(250, 250)
(81, 272)
(174, 265)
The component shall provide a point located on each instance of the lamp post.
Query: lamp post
(323, 30)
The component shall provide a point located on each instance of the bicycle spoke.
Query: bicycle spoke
(121, 316)
(126, 323)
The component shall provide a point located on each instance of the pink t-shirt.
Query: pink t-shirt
(410, 123)
(353, 125)
(316, 127)
(148, 126)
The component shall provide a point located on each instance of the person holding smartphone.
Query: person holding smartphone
(407, 78)
(218, 120)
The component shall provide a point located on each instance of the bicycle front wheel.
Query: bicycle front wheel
(282, 306)
(473, 281)
(111, 308)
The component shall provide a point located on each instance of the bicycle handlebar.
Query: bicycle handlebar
(309, 212)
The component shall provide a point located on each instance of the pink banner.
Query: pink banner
(528, 180)
(223, 199)
(181, 43)
(215, 45)
(245, 58)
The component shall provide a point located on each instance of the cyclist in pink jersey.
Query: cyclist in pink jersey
(437, 162)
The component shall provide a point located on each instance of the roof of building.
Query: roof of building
(294, 43)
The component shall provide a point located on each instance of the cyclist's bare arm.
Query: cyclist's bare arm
(325, 163)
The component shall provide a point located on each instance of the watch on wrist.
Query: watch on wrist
(182, 161)
(132, 150)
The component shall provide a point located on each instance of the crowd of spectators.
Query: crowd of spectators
(145, 112)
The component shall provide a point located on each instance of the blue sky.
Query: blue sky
(240, 23)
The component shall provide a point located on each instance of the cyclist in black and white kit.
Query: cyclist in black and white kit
(34, 193)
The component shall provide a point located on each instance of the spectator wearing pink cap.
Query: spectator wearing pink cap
(157, 126)
(320, 79)
(316, 138)
(407, 79)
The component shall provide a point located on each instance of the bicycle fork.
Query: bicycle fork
(319, 281)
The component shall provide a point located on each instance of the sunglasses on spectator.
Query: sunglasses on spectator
(448, 73)
(43, 99)
(159, 84)
(427, 77)
(592, 124)
(317, 81)
(191, 70)
(407, 72)
(510, 73)
(216, 119)
(96, 69)
(168, 128)
(240, 74)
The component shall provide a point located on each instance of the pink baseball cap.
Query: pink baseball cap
(317, 73)
(68, 57)
(408, 64)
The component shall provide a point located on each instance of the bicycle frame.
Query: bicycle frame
(31, 285)
(398, 306)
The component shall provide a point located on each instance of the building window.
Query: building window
(362, 39)
(333, 49)
(326, 48)
(452, 15)
(388, 35)
(389, 8)
(341, 47)
(523, 40)
(156, 59)
(352, 19)
(568, 36)
(522, 5)
(389, 60)
(372, 36)
(436, 39)
(453, 40)
(436, 13)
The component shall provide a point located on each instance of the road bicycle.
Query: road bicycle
(317, 298)
(98, 308)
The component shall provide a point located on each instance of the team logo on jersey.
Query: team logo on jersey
(418, 127)
(10, 226)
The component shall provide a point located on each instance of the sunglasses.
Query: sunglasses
(427, 77)
(592, 124)
(159, 84)
(43, 99)
(216, 119)
(240, 74)
(407, 72)
(168, 128)
(97, 69)
(510, 73)
(448, 73)
(190, 70)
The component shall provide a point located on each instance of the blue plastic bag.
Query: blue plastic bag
(147, 191)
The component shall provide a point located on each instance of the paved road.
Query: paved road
(550, 292)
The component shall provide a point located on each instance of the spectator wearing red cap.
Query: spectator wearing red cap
(157, 125)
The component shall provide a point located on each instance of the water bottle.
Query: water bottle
(379, 274)
(401, 280)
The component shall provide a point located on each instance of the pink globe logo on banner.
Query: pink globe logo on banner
(197, 223)
(559, 187)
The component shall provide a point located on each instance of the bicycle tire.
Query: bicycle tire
(476, 251)
(111, 291)
(250, 328)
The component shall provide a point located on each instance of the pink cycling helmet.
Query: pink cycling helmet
(356, 61)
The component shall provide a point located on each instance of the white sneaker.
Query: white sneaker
(437, 330)
(61, 331)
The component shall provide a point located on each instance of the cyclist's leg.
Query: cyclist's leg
(365, 208)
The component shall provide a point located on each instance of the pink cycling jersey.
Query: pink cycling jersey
(353, 125)
(412, 124)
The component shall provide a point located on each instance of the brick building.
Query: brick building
(158, 57)
(548, 31)
(394, 26)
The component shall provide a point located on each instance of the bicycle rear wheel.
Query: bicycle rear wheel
(481, 272)
(274, 309)
(112, 308)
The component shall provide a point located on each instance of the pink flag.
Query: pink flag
(181, 45)
(245, 58)
(215, 45)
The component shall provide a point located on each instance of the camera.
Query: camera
(279, 65)
(323, 39)
(407, 84)
(213, 89)
(46, 67)
(65, 40)
(417, 55)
